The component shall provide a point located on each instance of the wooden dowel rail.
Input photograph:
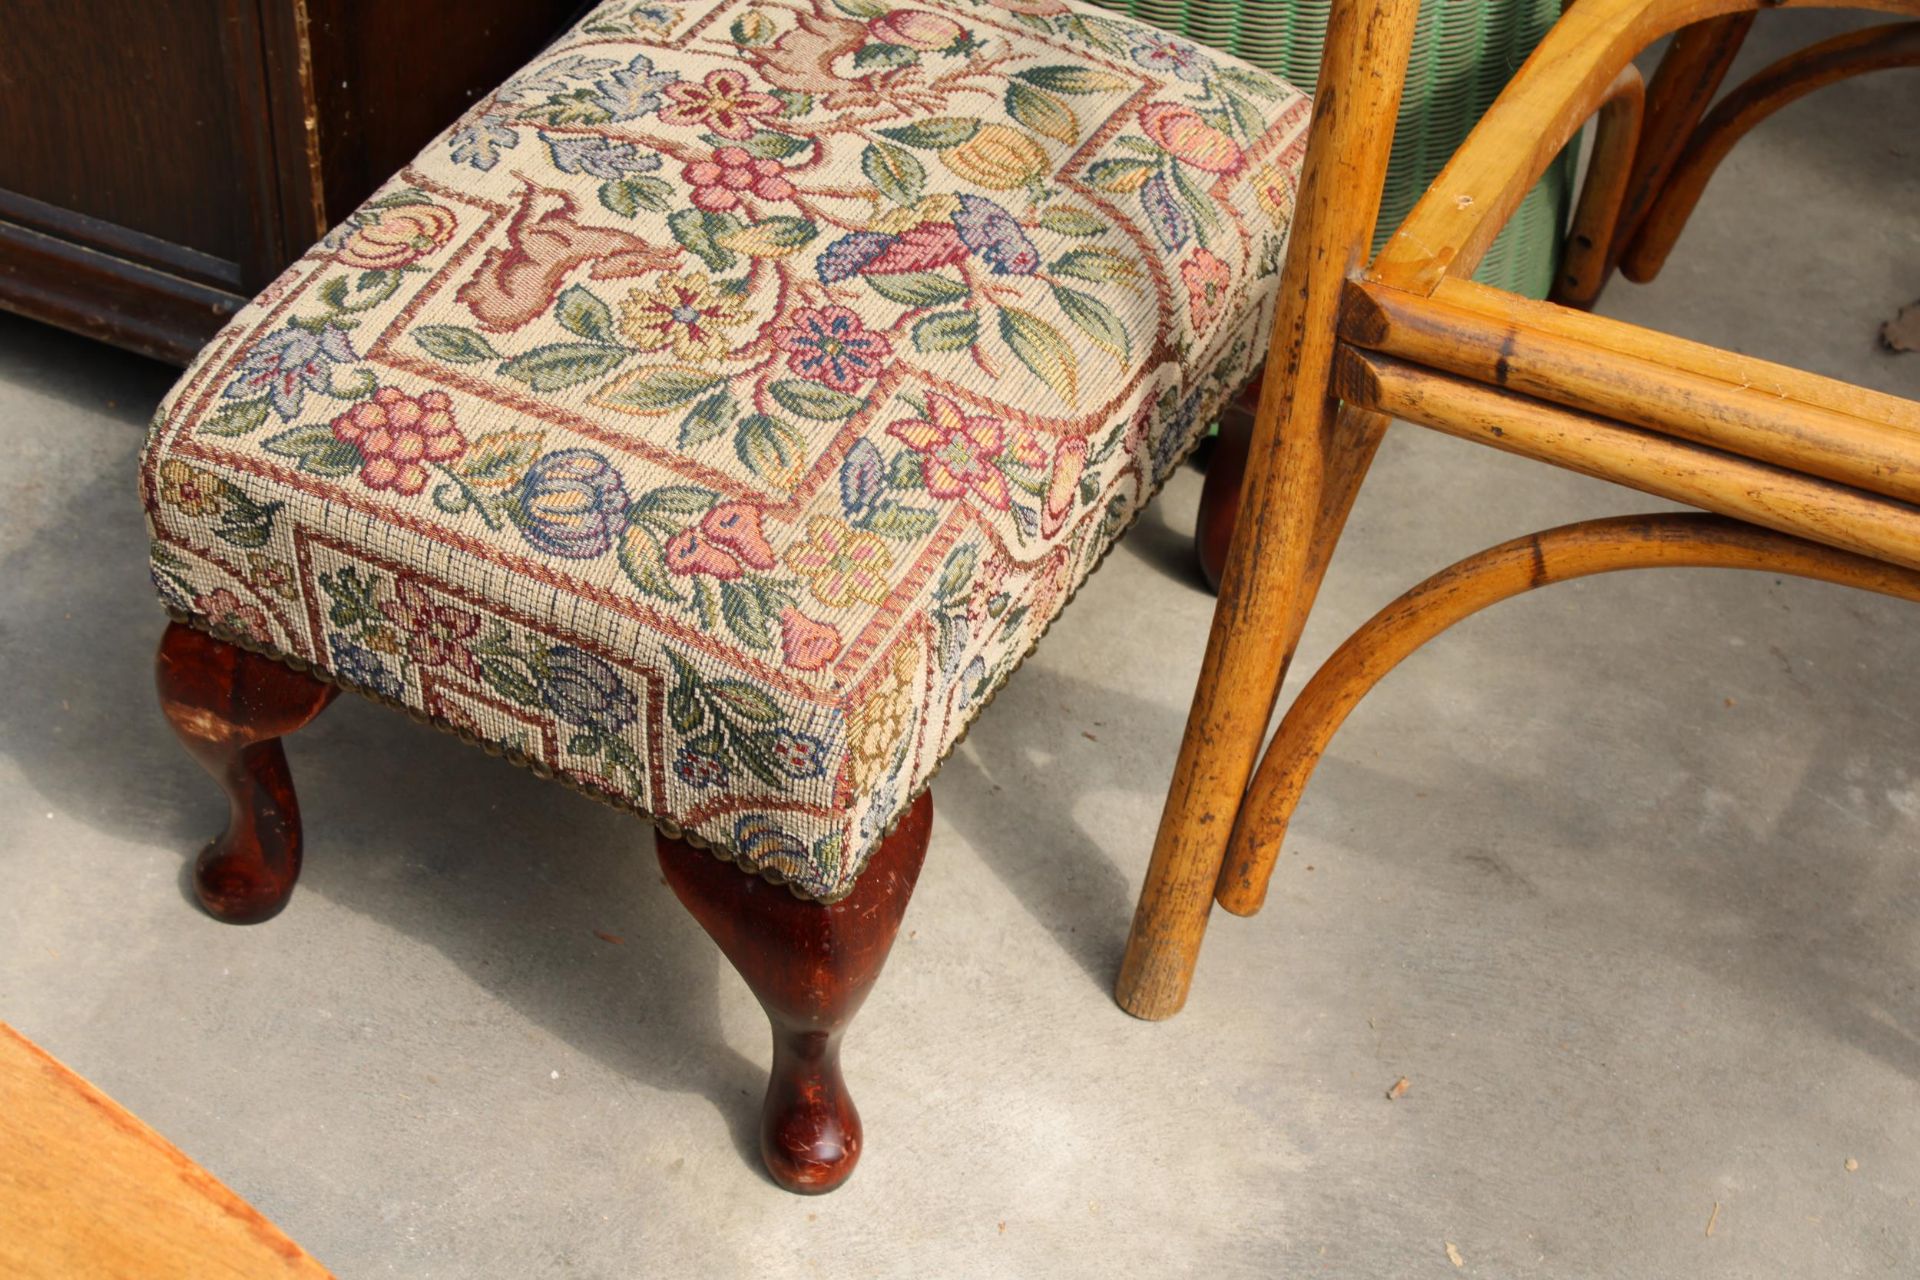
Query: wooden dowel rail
(1783, 381)
(1644, 391)
(1819, 510)
(1666, 540)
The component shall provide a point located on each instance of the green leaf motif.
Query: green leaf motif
(956, 575)
(917, 288)
(1100, 266)
(811, 400)
(645, 563)
(896, 171)
(499, 459)
(896, 521)
(766, 144)
(1095, 319)
(507, 677)
(627, 196)
(1073, 79)
(882, 56)
(774, 237)
(563, 364)
(317, 450)
(1067, 221)
(946, 331)
(706, 420)
(769, 447)
(746, 615)
(749, 702)
(454, 343)
(235, 419)
(578, 311)
(1120, 173)
(1042, 349)
(936, 134)
(907, 471)
(655, 390)
(696, 230)
(244, 522)
(1043, 113)
(673, 499)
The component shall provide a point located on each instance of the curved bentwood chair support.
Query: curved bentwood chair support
(1804, 474)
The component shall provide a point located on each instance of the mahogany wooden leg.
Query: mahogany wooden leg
(810, 966)
(1220, 495)
(230, 709)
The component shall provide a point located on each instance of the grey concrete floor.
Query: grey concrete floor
(1622, 877)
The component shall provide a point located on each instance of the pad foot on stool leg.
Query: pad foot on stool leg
(810, 966)
(229, 708)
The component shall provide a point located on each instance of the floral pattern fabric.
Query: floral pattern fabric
(719, 411)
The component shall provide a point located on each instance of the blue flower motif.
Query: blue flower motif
(863, 478)
(283, 366)
(572, 503)
(358, 665)
(1170, 222)
(991, 232)
(1164, 54)
(599, 157)
(480, 143)
(584, 689)
(631, 93)
(1175, 434)
(850, 253)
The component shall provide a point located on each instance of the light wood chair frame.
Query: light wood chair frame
(1799, 473)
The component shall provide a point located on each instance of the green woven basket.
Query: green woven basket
(1464, 52)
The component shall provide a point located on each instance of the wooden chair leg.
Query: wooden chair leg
(230, 708)
(810, 966)
(1258, 618)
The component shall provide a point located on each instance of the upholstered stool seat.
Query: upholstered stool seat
(717, 413)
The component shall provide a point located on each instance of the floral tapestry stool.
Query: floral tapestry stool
(711, 420)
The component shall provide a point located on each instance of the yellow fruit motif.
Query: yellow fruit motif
(998, 158)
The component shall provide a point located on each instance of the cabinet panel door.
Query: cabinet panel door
(124, 129)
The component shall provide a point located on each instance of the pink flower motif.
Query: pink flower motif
(1063, 489)
(832, 347)
(736, 526)
(397, 433)
(437, 634)
(719, 183)
(1181, 131)
(724, 102)
(1207, 280)
(690, 551)
(226, 609)
(917, 29)
(806, 643)
(957, 452)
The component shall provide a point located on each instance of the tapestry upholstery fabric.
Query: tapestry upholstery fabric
(716, 414)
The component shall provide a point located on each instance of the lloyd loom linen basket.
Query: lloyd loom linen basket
(1464, 52)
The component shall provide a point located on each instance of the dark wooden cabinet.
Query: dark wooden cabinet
(161, 160)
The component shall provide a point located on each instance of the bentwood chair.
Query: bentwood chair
(1795, 473)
